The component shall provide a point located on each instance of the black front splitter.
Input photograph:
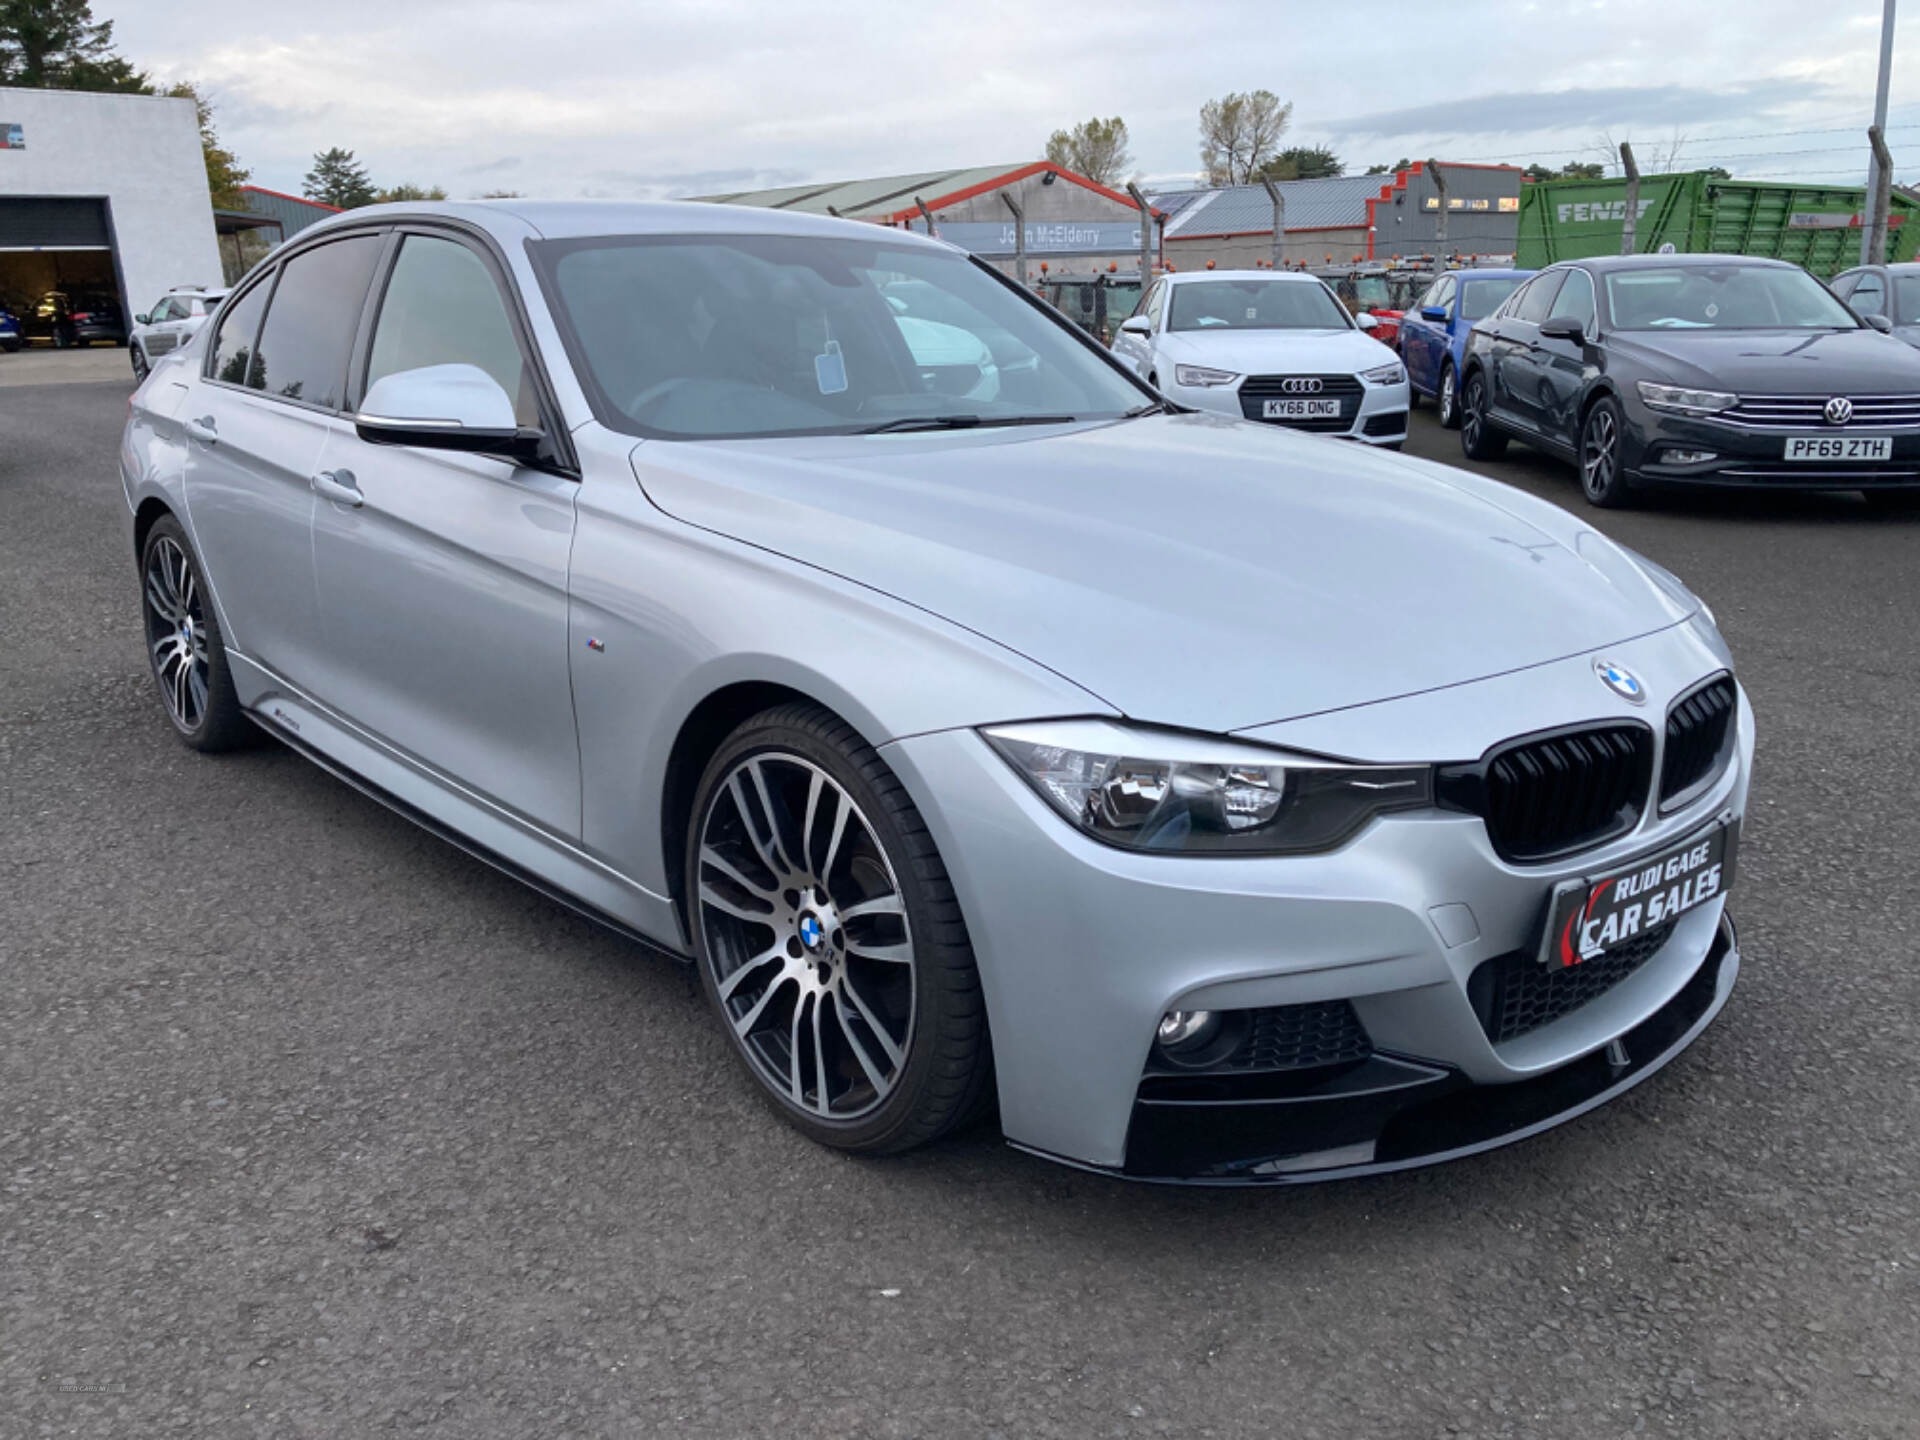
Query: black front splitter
(1400, 1112)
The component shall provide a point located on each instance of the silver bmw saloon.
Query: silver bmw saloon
(1215, 803)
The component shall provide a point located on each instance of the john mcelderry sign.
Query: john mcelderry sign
(1052, 237)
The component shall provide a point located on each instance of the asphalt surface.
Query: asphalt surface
(312, 1126)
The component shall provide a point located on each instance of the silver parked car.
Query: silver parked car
(1227, 805)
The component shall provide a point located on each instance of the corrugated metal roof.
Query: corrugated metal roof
(1237, 209)
(871, 199)
(292, 213)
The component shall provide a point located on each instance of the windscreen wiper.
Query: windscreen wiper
(960, 422)
(1152, 407)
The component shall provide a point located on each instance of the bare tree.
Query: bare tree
(1094, 148)
(1239, 133)
(1662, 156)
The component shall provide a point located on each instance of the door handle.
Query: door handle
(203, 430)
(337, 486)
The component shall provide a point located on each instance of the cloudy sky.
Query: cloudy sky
(648, 98)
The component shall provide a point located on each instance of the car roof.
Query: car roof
(1188, 277)
(1465, 275)
(1603, 263)
(574, 219)
(1897, 267)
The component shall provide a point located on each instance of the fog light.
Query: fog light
(1688, 457)
(1184, 1029)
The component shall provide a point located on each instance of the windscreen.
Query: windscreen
(1480, 298)
(732, 336)
(1723, 297)
(1256, 305)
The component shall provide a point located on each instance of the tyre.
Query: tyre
(1446, 401)
(61, 339)
(10, 346)
(184, 649)
(828, 939)
(1603, 478)
(1478, 439)
(140, 366)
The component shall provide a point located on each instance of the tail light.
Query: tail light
(82, 316)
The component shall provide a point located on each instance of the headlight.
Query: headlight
(1683, 401)
(1171, 792)
(1203, 375)
(1384, 375)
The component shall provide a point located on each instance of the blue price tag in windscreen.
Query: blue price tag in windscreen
(830, 370)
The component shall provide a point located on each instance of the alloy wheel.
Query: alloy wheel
(140, 366)
(1470, 420)
(1599, 453)
(807, 937)
(177, 632)
(1447, 397)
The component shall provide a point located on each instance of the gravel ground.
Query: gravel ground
(313, 1126)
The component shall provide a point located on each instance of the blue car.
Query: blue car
(10, 337)
(1433, 334)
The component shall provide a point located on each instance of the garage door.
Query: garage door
(53, 224)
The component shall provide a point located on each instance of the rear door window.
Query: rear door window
(233, 344)
(311, 322)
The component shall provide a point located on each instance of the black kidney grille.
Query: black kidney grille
(1550, 796)
(1514, 993)
(1301, 1037)
(1699, 729)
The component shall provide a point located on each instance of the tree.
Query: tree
(58, 45)
(501, 195)
(1238, 134)
(225, 173)
(338, 179)
(1302, 162)
(1094, 148)
(1400, 164)
(1575, 170)
(408, 191)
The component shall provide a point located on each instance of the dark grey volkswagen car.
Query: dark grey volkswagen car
(1652, 370)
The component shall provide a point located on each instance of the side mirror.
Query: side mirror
(1435, 313)
(445, 407)
(1366, 322)
(141, 320)
(1136, 325)
(1880, 323)
(1562, 327)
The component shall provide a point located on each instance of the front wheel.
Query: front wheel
(1446, 402)
(140, 366)
(1478, 439)
(828, 938)
(1603, 478)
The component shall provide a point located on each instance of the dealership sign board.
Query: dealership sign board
(1048, 237)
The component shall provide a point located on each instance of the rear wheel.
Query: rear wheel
(184, 648)
(1446, 403)
(829, 940)
(1478, 439)
(1602, 476)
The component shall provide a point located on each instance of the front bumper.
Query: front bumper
(1754, 456)
(1083, 947)
(1379, 417)
(1399, 1112)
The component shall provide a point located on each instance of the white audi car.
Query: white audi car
(176, 317)
(1268, 345)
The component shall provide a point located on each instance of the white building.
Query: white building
(102, 193)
